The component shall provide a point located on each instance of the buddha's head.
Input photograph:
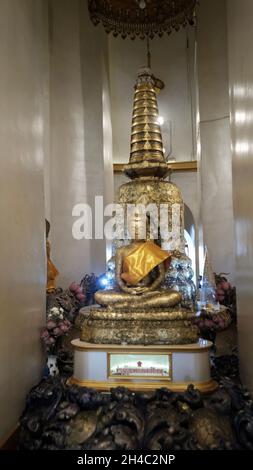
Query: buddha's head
(142, 225)
(137, 224)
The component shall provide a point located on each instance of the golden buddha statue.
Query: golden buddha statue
(140, 310)
(52, 271)
(139, 272)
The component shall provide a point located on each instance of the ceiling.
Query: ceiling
(142, 18)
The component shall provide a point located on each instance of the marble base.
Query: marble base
(189, 364)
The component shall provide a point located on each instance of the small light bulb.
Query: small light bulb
(142, 4)
(160, 120)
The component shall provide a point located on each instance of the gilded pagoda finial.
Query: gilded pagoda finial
(147, 151)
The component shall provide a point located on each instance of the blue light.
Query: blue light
(104, 282)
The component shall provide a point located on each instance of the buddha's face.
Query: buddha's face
(137, 226)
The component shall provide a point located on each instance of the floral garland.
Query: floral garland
(210, 322)
(56, 327)
(62, 309)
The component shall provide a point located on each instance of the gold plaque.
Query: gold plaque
(152, 366)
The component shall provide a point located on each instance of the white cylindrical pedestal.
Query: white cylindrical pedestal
(143, 367)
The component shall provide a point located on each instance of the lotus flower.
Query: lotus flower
(81, 297)
(225, 285)
(44, 335)
(50, 341)
(74, 287)
(64, 328)
(51, 325)
(220, 291)
(57, 331)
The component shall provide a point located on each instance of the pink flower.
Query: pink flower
(80, 297)
(50, 341)
(57, 331)
(79, 290)
(74, 287)
(225, 285)
(44, 335)
(64, 328)
(220, 291)
(51, 325)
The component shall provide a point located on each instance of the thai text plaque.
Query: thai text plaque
(139, 365)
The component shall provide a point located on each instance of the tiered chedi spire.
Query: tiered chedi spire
(147, 152)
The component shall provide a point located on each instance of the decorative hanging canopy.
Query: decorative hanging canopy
(142, 18)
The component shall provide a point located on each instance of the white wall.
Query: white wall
(216, 169)
(55, 137)
(240, 34)
(80, 162)
(23, 127)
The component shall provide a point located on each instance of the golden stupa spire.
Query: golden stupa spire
(147, 151)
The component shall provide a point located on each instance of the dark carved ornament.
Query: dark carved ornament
(142, 18)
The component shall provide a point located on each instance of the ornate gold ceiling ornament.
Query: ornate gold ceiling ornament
(142, 18)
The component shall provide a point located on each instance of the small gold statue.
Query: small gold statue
(140, 271)
(52, 271)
